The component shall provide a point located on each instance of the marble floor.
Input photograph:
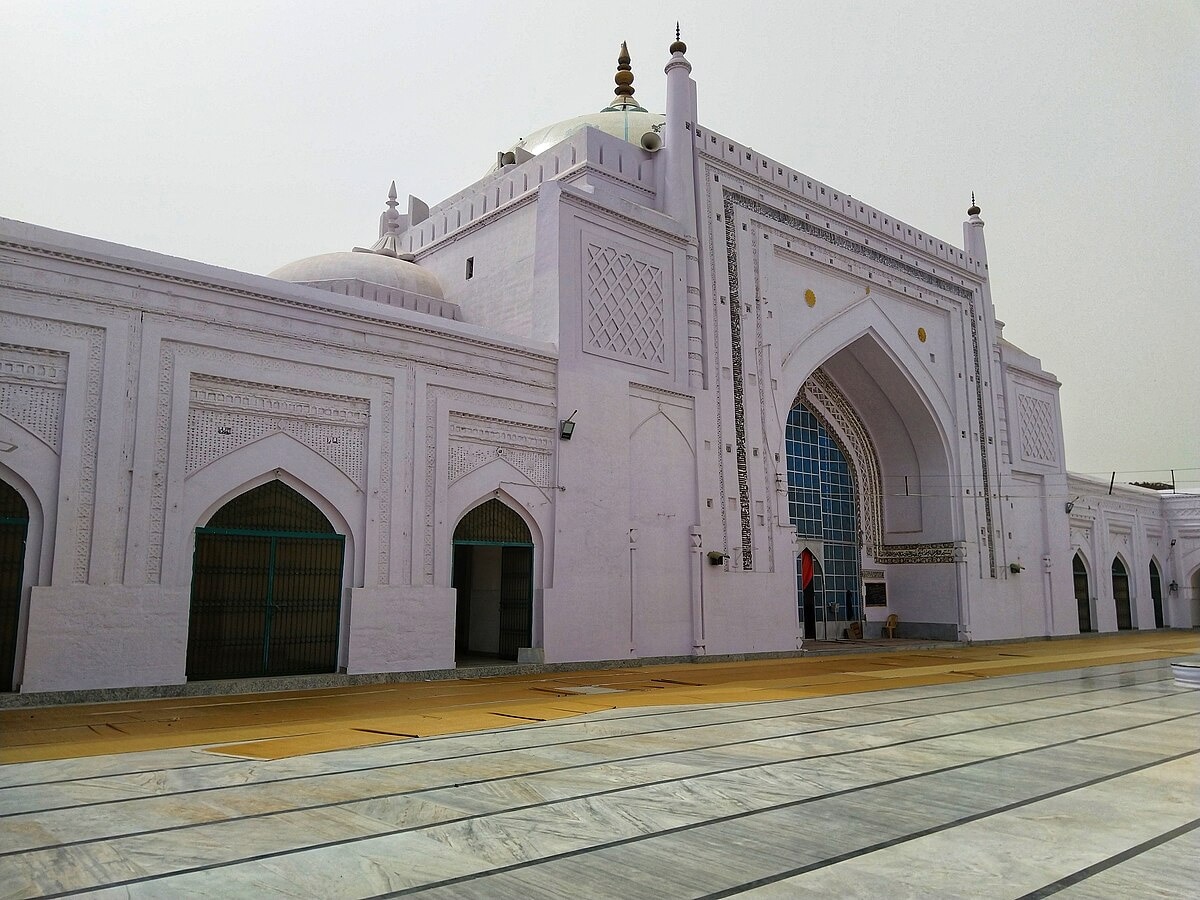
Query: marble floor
(1081, 782)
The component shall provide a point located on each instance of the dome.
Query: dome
(623, 117)
(374, 268)
(626, 122)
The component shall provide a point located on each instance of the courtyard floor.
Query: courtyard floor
(1014, 770)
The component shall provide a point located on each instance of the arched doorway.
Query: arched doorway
(1156, 594)
(266, 588)
(1082, 594)
(1120, 586)
(14, 526)
(493, 575)
(822, 503)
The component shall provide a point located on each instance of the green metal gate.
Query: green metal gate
(266, 588)
(14, 527)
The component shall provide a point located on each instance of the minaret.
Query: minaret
(680, 200)
(973, 234)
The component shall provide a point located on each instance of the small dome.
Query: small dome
(373, 268)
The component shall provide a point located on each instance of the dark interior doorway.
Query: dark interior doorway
(14, 528)
(493, 575)
(1082, 594)
(812, 606)
(1120, 585)
(1156, 594)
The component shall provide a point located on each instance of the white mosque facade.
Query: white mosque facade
(641, 392)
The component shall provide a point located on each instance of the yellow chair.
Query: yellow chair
(890, 625)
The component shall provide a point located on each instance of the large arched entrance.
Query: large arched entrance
(823, 507)
(493, 575)
(266, 588)
(1120, 586)
(14, 526)
(1083, 598)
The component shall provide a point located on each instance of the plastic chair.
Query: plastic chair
(890, 625)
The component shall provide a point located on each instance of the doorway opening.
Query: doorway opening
(266, 588)
(493, 577)
(1120, 586)
(1082, 594)
(1156, 594)
(14, 528)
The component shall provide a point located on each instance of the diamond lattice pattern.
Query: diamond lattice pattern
(1037, 428)
(625, 305)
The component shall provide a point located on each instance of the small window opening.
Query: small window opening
(470, 273)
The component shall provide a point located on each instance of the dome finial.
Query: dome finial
(391, 218)
(679, 46)
(624, 77)
(974, 210)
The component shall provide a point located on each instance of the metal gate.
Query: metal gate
(14, 526)
(266, 588)
(516, 606)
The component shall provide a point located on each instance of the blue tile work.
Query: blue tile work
(822, 505)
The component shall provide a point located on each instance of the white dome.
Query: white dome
(628, 124)
(374, 268)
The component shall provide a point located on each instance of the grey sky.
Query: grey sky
(248, 134)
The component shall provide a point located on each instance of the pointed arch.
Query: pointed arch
(267, 584)
(1083, 593)
(493, 575)
(1156, 595)
(1122, 593)
(833, 410)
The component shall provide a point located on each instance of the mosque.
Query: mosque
(640, 392)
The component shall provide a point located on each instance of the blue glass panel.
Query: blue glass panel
(822, 504)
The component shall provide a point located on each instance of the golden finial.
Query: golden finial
(624, 76)
(679, 46)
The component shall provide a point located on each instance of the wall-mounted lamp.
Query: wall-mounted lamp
(717, 558)
(566, 427)
(1071, 504)
(1172, 542)
(1016, 568)
(1173, 587)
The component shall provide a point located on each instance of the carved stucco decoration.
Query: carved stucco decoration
(224, 414)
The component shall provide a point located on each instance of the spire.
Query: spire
(679, 46)
(624, 76)
(391, 217)
(623, 99)
(391, 223)
(974, 210)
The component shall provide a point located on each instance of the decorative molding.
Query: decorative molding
(33, 389)
(324, 309)
(89, 426)
(477, 440)
(465, 399)
(739, 405)
(624, 316)
(1039, 441)
(225, 414)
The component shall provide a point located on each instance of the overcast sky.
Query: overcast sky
(248, 134)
